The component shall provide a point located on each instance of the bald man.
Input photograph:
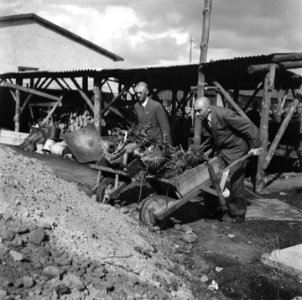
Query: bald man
(152, 112)
(233, 136)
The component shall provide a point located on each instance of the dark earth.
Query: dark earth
(225, 252)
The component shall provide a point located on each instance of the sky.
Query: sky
(158, 32)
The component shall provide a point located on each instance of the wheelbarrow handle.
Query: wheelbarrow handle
(243, 158)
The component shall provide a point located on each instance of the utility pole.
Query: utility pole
(191, 43)
(202, 59)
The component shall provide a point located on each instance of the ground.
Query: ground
(131, 261)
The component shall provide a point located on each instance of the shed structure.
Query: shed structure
(264, 73)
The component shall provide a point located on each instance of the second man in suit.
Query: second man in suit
(152, 112)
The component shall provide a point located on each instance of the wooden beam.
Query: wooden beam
(117, 97)
(68, 86)
(59, 84)
(25, 103)
(265, 67)
(37, 86)
(48, 83)
(13, 95)
(97, 106)
(17, 111)
(258, 88)
(87, 100)
(230, 100)
(280, 133)
(264, 122)
(205, 36)
(287, 57)
(51, 112)
(85, 83)
(37, 82)
(30, 91)
(75, 83)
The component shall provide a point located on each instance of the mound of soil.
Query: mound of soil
(56, 242)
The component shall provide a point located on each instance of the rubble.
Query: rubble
(56, 241)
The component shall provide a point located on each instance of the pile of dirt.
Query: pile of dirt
(56, 242)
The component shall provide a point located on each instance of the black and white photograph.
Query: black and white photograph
(151, 150)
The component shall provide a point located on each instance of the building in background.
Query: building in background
(29, 42)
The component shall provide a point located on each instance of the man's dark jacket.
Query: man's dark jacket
(233, 135)
(155, 115)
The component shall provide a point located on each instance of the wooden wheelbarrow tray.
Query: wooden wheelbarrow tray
(205, 177)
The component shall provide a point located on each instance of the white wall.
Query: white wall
(32, 45)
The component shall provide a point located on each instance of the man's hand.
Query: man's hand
(255, 151)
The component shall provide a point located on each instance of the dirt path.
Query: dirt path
(225, 253)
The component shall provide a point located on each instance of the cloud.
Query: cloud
(158, 31)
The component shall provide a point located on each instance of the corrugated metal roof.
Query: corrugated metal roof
(229, 72)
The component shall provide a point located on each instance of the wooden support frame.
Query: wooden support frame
(30, 91)
(258, 88)
(279, 134)
(265, 67)
(51, 111)
(65, 82)
(230, 100)
(25, 104)
(268, 87)
(17, 111)
(87, 100)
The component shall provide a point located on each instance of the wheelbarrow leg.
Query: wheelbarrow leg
(216, 184)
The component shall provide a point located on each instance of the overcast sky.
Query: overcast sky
(152, 32)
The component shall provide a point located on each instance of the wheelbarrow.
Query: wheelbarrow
(112, 181)
(155, 209)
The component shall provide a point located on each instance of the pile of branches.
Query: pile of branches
(159, 159)
(175, 160)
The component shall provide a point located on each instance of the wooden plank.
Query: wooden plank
(280, 133)
(230, 100)
(48, 83)
(37, 86)
(51, 112)
(87, 100)
(8, 137)
(107, 169)
(30, 91)
(266, 102)
(265, 67)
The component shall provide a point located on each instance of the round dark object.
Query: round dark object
(149, 206)
(105, 188)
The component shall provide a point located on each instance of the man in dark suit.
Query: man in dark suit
(233, 136)
(152, 112)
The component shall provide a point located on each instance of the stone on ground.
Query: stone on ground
(288, 260)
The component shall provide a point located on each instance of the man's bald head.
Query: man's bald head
(202, 107)
(141, 91)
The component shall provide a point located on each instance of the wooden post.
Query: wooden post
(268, 86)
(230, 100)
(17, 105)
(17, 111)
(202, 59)
(97, 92)
(280, 133)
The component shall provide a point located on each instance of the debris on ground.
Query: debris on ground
(56, 241)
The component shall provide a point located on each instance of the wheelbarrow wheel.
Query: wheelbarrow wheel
(104, 189)
(149, 206)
